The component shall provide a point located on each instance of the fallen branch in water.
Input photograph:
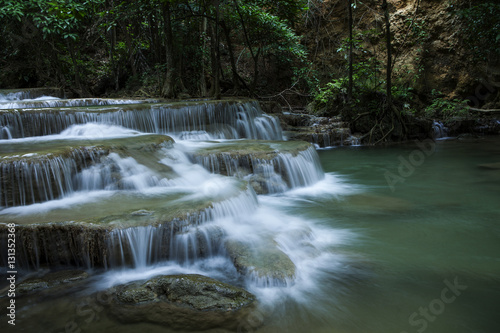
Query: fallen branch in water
(483, 110)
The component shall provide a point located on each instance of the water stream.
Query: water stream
(386, 239)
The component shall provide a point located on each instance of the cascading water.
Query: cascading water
(159, 208)
(282, 172)
(440, 131)
(27, 180)
(53, 102)
(221, 120)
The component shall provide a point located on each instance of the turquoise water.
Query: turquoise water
(439, 226)
(420, 253)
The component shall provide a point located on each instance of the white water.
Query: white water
(221, 120)
(440, 131)
(55, 102)
(196, 244)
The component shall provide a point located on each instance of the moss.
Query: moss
(255, 148)
(244, 158)
(50, 280)
(188, 302)
(265, 261)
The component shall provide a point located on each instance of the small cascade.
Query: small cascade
(222, 120)
(182, 241)
(301, 170)
(7, 95)
(41, 178)
(321, 139)
(54, 102)
(5, 133)
(271, 172)
(440, 131)
(29, 179)
(139, 247)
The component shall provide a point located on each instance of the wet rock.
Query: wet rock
(105, 233)
(46, 170)
(53, 279)
(188, 302)
(264, 164)
(265, 263)
(320, 131)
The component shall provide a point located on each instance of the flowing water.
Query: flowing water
(384, 239)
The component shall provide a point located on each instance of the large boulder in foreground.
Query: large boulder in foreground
(188, 302)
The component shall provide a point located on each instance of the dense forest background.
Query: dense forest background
(384, 58)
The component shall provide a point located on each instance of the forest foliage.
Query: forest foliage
(178, 48)
(168, 47)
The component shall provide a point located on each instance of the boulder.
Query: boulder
(188, 302)
(265, 264)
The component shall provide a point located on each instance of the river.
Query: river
(401, 238)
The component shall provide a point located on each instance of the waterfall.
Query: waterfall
(5, 133)
(221, 120)
(183, 241)
(440, 131)
(276, 175)
(135, 202)
(27, 180)
(48, 102)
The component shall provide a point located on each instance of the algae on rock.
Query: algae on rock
(191, 302)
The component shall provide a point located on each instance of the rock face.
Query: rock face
(189, 302)
(320, 131)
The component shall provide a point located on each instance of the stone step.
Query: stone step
(37, 171)
(226, 119)
(269, 166)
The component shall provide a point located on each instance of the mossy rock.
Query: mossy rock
(265, 263)
(260, 149)
(87, 235)
(189, 302)
(44, 170)
(252, 160)
(50, 280)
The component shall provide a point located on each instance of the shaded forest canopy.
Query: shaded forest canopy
(425, 57)
(168, 47)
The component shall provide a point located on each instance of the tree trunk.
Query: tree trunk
(236, 82)
(350, 84)
(168, 83)
(255, 57)
(154, 37)
(75, 66)
(114, 64)
(385, 7)
(216, 70)
(203, 84)
(255, 69)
